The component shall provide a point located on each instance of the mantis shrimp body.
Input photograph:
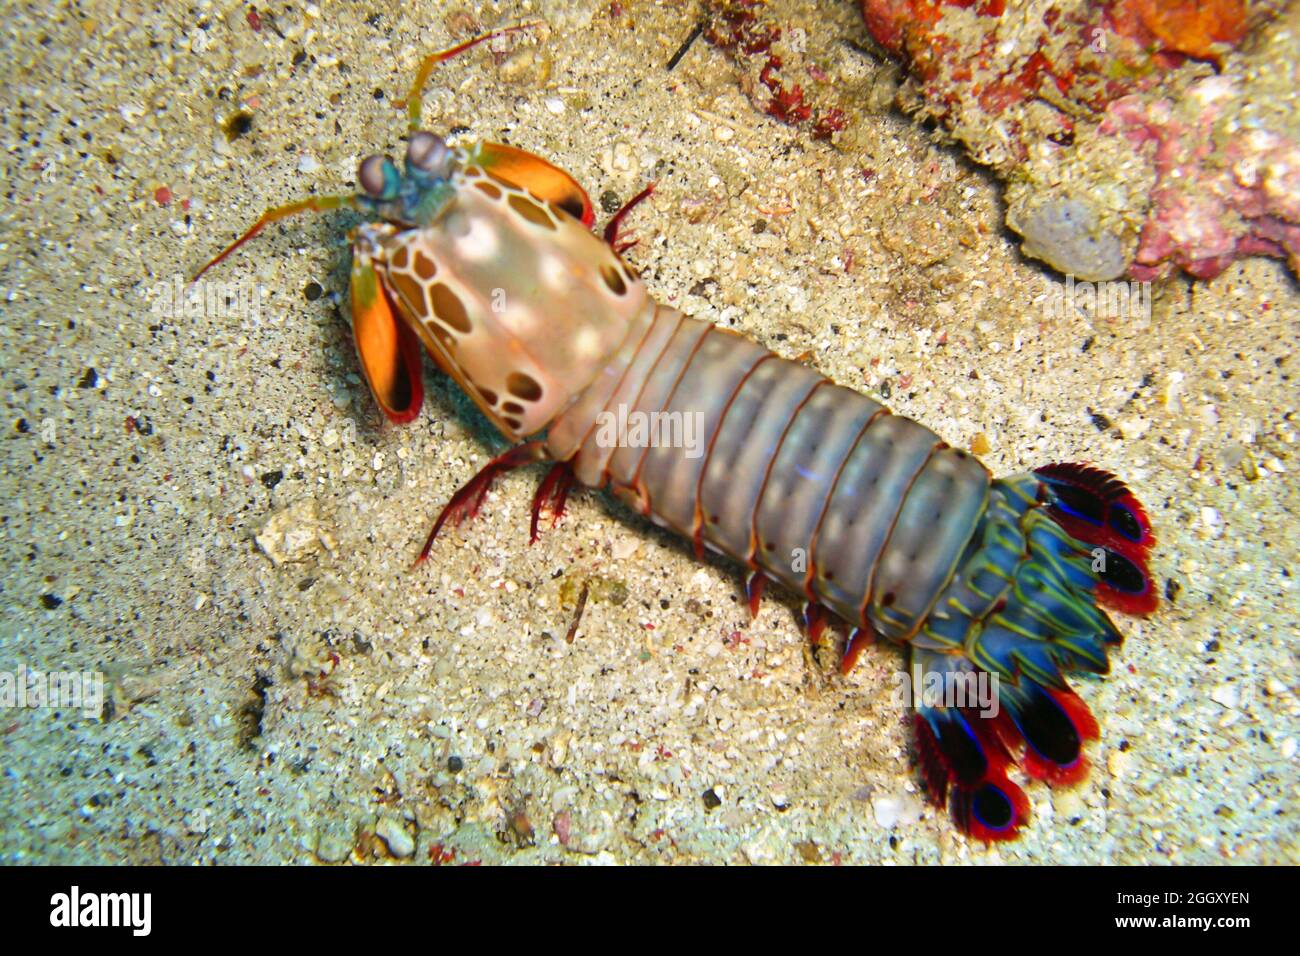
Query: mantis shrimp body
(484, 256)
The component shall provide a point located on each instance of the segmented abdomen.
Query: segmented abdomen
(818, 486)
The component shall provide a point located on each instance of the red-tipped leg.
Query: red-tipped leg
(755, 581)
(552, 493)
(815, 620)
(859, 638)
(466, 502)
(613, 226)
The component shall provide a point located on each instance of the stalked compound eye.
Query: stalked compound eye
(428, 153)
(379, 177)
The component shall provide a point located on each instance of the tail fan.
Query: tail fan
(963, 758)
(989, 665)
(1098, 509)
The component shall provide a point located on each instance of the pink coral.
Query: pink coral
(1041, 99)
(1211, 205)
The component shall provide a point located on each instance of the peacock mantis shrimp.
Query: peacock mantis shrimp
(484, 256)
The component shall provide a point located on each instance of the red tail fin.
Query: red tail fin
(1098, 509)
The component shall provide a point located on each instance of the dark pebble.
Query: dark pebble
(238, 125)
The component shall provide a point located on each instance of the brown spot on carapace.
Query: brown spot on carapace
(522, 385)
(448, 307)
(514, 424)
(531, 211)
(512, 408)
(613, 280)
(410, 291)
(489, 190)
(445, 338)
(400, 258)
(489, 396)
(425, 267)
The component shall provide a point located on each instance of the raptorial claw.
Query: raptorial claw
(543, 179)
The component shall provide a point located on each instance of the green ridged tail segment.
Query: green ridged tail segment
(1018, 616)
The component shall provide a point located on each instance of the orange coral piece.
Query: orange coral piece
(1197, 28)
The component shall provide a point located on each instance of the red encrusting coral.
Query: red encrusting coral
(735, 26)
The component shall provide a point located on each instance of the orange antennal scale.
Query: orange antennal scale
(310, 204)
(414, 102)
(544, 180)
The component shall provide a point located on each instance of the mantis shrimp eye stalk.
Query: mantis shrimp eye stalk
(429, 154)
(379, 178)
